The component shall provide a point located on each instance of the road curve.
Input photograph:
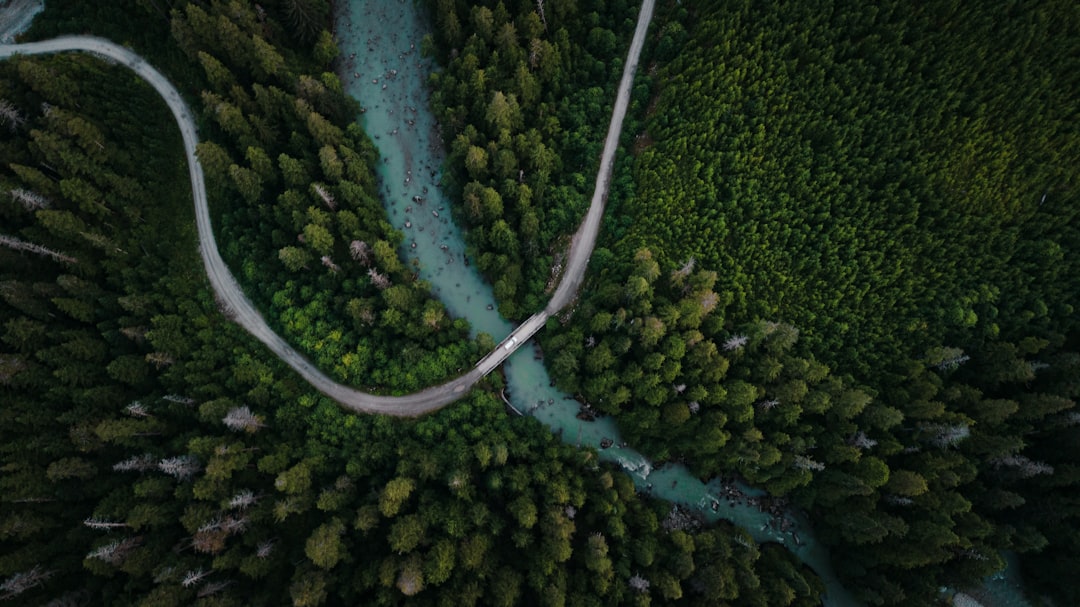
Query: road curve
(239, 308)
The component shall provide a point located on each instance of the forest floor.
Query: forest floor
(15, 17)
(240, 309)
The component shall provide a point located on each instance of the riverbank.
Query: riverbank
(1003, 589)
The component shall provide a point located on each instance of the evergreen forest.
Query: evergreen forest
(839, 262)
(846, 271)
(524, 101)
(155, 454)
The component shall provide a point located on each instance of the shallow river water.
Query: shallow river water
(380, 42)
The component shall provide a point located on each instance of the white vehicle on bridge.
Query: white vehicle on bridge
(510, 344)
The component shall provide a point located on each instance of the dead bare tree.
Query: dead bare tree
(326, 196)
(243, 500)
(31, 201)
(679, 275)
(265, 548)
(862, 441)
(1024, 466)
(950, 436)
(536, 47)
(360, 252)
(381, 281)
(10, 115)
(182, 467)
(735, 342)
(100, 523)
(241, 419)
(638, 583)
(708, 301)
(193, 577)
(21, 245)
(767, 405)
(804, 462)
(160, 360)
(114, 553)
(23, 581)
(137, 409)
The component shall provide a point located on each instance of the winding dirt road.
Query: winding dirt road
(240, 309)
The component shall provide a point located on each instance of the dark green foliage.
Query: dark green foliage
(298, 203)
(152, 453)
(872, 175)
(899, 185)
(293, 192)
(524, 101)
(881, 177)
(305, 18)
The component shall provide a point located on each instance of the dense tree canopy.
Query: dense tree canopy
(153, 453)
(523, 101)
(839, 264)
(893, 189)
(883, 178)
